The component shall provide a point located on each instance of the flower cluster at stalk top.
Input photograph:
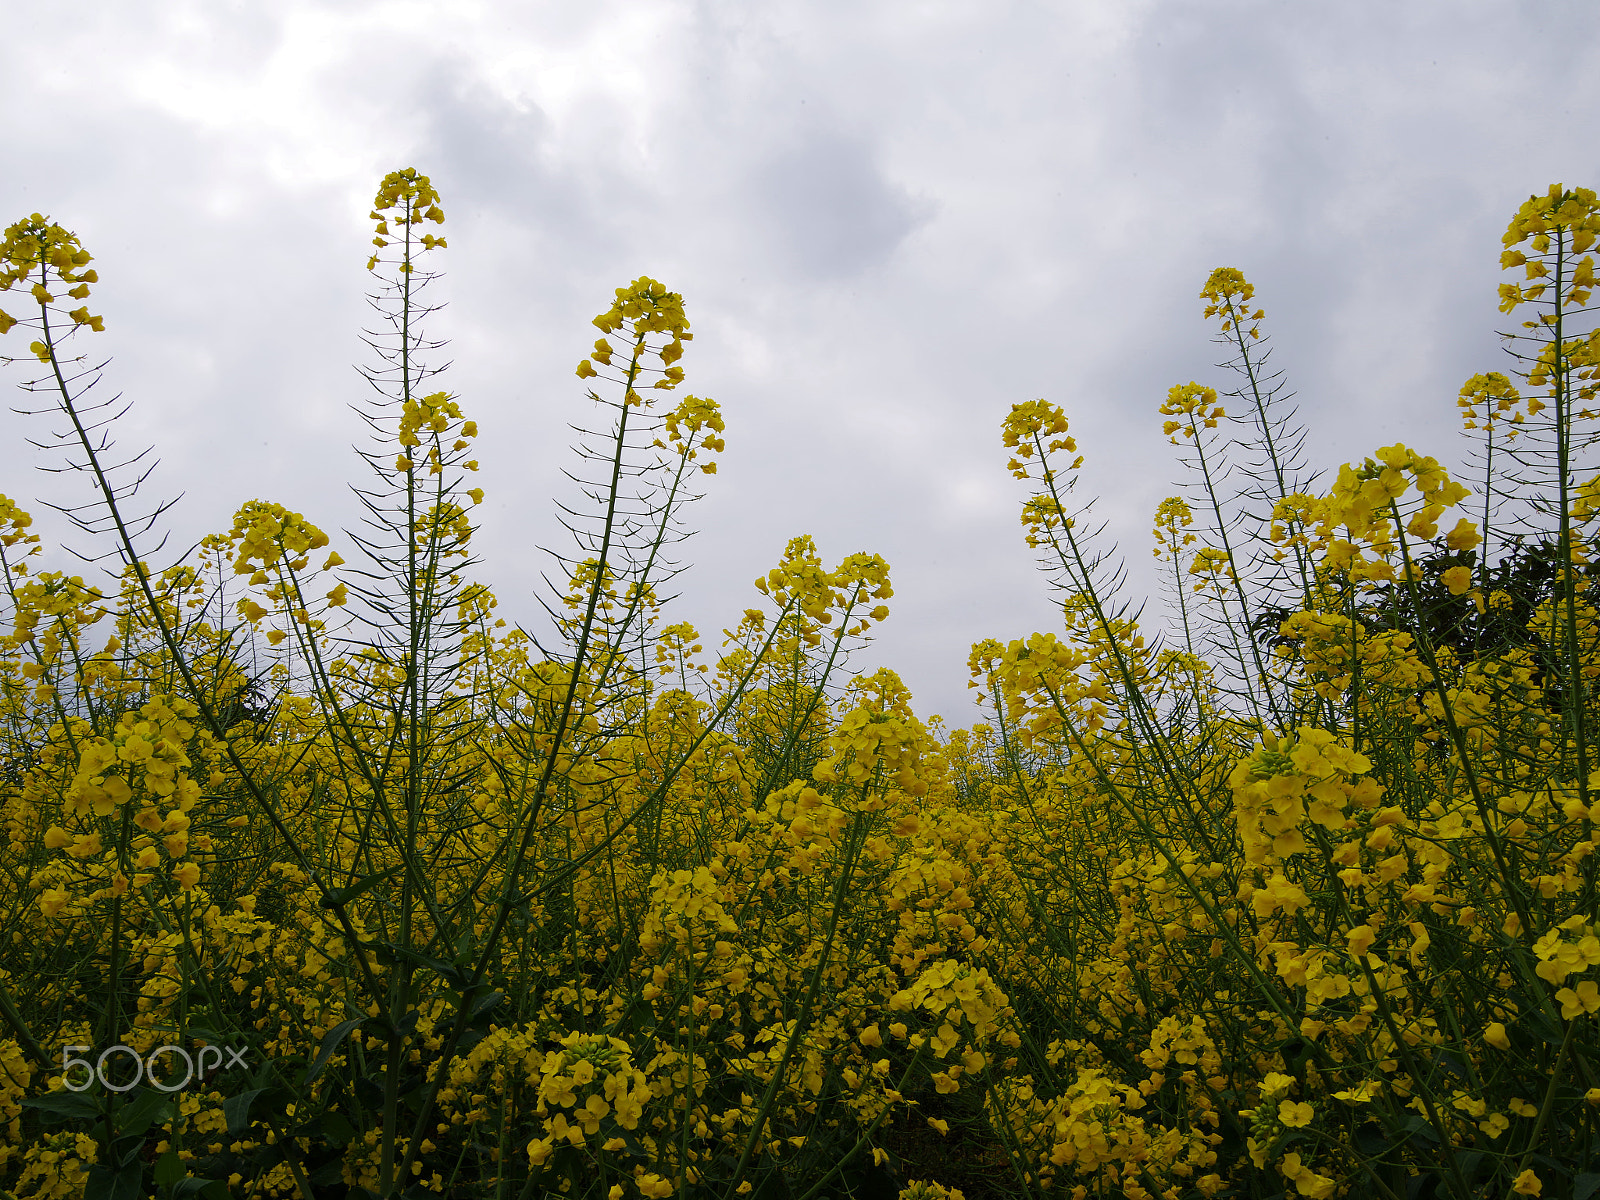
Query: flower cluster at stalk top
(266, 532)
(589, 1084)
(405, 198)
(881, 731)
(642, 308)
(39, 252)
(1197, 404)
(800, 579)
(1488, 398)
(143, 759)
(427, 417)
(1573, 219)
(1272, 785)
(1028, 426)
(1229, 294)
(695, 415)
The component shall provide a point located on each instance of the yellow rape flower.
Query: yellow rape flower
(1275, 1083)
(1197, 407)
(1296, 1114)
(918, 1189)
(1306, 1181)
(1575, 1002)
(1362, 1093)
(1360, 939)
(1028, 425)
(1464, 536)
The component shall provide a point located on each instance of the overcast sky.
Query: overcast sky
(889, 222)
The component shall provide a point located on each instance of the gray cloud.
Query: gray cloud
(827, 210)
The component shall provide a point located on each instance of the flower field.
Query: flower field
(321, 877)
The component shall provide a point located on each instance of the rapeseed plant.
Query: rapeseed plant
(1296, 898)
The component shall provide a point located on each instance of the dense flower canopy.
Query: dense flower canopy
(1296, 894)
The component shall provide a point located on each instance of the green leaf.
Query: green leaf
(1585, 1185)
(143, 1111)
(1419, 1128)
(336, 1129)
(1547, 1030)
(329, 1174)
(236, 1109)
(346, 894)
(169, 1169)
(330, 1043)
(454, 973)
(65, 1106)
(127, 1183)
(210, 1189)
(123, 1151)
(212, 1035)
(1371, 1140)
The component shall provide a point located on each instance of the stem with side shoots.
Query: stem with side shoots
(181, 663)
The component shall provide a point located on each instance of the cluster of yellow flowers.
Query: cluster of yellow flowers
(1230, 293)
(590, 1080)
(1490, 397)
(1557, 226)
(431, 414)
(146, 750)
(1172, 521)
(36, 249)
(1356, 529)
(643, 308)
(264, 532)
(815, 594)
(143, 765)
(695, 415)
(1036, 427)
(1271, 788)
(1197, 404)
(407, 198)
(879, 734)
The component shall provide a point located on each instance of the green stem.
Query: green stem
(808, 1005)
